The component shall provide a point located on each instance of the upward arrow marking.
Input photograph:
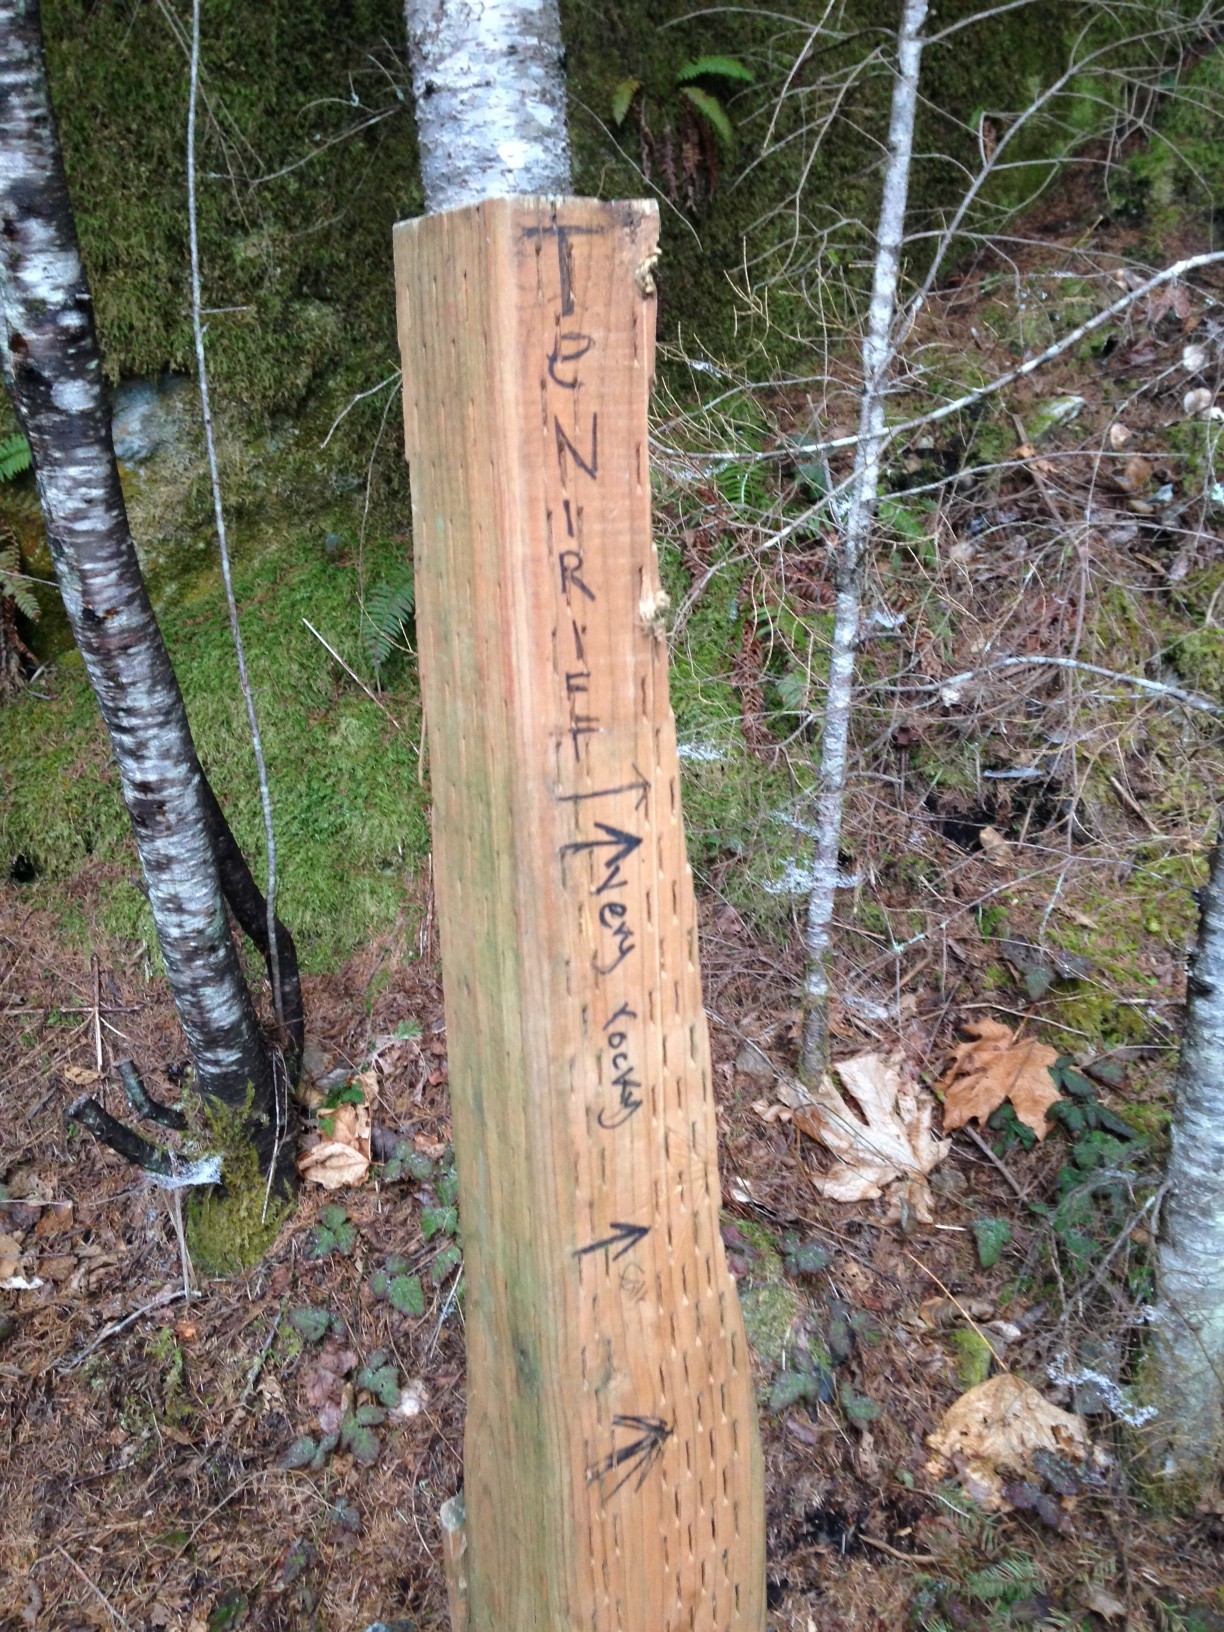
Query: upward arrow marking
(639, 785)
(620, 844)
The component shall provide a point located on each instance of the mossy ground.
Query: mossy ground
(350, 811)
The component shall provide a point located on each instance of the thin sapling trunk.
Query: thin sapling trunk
(852, 550)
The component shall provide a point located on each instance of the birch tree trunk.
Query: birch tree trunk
(1186, 1443)
(850, 565)
(488, 81)
(53, 370)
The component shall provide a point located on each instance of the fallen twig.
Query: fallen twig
(96, 1590)
(895, 1552)
(378, 703)
(161, 1301)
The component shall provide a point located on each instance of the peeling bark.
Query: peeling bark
(53, 370)
(488, 80)
(1186, 1441)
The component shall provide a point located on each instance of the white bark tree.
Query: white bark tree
(1187, 1437)
(850, 560)
(488, 80)
(190, 860)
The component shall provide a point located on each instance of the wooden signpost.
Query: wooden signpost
(612, 1472)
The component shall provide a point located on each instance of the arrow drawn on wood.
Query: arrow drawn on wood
(621, 844)
(640, 786)
(638, 1456)
(624, 1237)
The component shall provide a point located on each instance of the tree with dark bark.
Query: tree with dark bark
(191, 862)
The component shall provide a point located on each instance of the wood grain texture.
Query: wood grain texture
(612, 1466)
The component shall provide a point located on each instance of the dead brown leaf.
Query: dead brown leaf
(1133, 475)
(995, 1066)
(890, 1140)
(325, 1383)
(342, 1156)
(81, 1075)
(998, 851)
(992, 1432)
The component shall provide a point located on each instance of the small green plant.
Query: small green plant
(15, 457)
(397, 1285)
(14, 461)
(812, 1383)
(334, 1234)
(381, 1378)
(692, 120)
(344, 1093)
(310, 1324)
(804, 1257)
(407, 1163)
(991, 1236)
(164, 1350)
(385, 615)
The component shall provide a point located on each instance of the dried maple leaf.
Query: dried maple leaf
(994, 1430)
(891, 1139)
(993, 1067)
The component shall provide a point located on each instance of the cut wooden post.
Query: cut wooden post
(612, 1472)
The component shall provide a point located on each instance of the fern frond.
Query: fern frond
(388, 607)
(13, 586)
(1009, 1579)
(14, 457)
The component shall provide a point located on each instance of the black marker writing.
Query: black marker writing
(570, 348)
(637, 1456)
(621, 844)
(564, 446)
(624, 1080)
(624, 1238)
(640, 785)
(570, 562)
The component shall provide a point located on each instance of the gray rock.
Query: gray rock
(751, 1062)
(146, 417)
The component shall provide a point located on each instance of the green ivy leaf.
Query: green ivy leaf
(380, 1284)
(806, 1257)
(789, 1388)
(312, 1324)
(715, 67)
(622, 99)
(360, 1439)
(712, 111)
(300, 1454)
(857, 1406)
(448, 1190)
(371, 1416)
(326, 1446)
(381, 1380)
(406, 1295)
(334, 1234)
(436, 1220)
(447, 1261)
(991, 1235)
